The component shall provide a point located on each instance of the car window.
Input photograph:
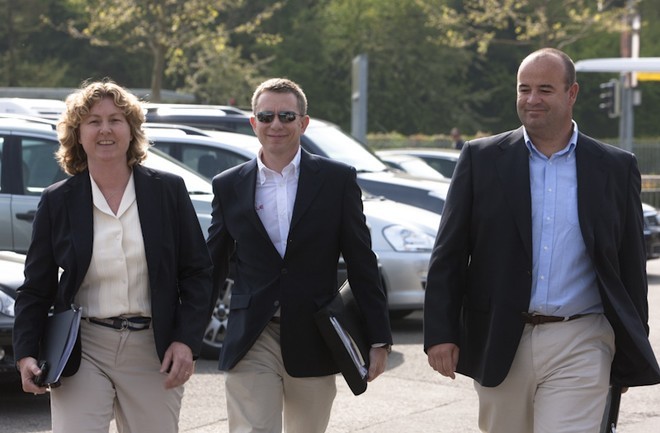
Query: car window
(195, 183)
(444, 166)
(335, 144)
(208, 161)
(40, 169)
(203, 159)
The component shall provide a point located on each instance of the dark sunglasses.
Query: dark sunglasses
(284, 116)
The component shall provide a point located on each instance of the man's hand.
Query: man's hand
(29, 371)
(377, 362)
(443, 358)
(178, 364)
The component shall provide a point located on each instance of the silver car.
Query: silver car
(402, 235)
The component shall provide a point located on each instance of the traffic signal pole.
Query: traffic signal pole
(626, 120)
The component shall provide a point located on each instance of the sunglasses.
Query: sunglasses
(284, 116)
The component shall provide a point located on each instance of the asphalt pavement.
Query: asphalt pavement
(409, 397)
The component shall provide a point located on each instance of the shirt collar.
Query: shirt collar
(293, 166)
(570, 146)
(101, 203)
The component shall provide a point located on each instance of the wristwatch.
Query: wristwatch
(386, 346)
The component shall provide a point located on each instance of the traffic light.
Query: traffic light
(610, 98)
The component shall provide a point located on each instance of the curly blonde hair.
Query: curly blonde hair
(70, 155)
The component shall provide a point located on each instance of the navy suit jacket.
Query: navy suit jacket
(327, 221)
(480, 275)
(178, 262)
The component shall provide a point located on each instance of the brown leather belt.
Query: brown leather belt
(538, 319)
(121, 323)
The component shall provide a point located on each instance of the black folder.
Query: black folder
(59, 338)
(611, 416)
(342, 326)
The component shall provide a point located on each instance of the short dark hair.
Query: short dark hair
(281, 85)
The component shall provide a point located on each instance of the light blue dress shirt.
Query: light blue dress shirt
(563, 278)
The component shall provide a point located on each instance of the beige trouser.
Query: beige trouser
(118, 376)
(558, 381)
(260, 392)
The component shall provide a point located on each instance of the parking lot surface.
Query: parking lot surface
(409, 397)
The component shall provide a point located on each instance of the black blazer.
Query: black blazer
(327, 221)
(177, 260)
(480, 275)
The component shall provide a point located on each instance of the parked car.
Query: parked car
(321, 138)
(46, 108)
(410, 164)
(402, 235)
(28, 166)
(651, 231)
(11, 277)
(442, 160)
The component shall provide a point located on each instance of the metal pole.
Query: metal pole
(359, 98)
(626, 121)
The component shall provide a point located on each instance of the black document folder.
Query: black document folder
(342, 326)
(58, 341)
(611, 416)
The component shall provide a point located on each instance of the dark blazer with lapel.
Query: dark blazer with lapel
(327, 221)
(177, 260)
(480, 274)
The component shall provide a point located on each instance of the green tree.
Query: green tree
(415, 85)
(165, 30)
(530, 23)
(23, 62)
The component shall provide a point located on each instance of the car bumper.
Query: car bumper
(652, 240)
(404, 277)
(7, 363)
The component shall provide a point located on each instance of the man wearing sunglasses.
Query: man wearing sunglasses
(285, 217)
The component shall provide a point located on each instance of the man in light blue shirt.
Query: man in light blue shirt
(537, 283)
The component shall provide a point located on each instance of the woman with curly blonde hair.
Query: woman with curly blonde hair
(132, 255)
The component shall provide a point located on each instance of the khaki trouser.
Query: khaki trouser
(118, 376)
(260, 393)
(558, 382)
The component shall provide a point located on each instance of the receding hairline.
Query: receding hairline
(570, 76)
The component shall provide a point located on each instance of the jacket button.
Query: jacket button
(284, 271)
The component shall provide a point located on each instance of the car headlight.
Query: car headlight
(403, 238)
(6, 304)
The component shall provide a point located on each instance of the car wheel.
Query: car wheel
(214, 337)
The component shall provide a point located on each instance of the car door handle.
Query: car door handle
(27, 216)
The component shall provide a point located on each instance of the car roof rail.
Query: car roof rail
(185, 129)
(27, 119)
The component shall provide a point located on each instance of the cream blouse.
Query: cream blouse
(117, 280)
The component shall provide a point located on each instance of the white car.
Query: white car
(442, 160)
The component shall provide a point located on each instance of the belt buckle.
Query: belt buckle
(122, 324)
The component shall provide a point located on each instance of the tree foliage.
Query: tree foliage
(433, 64)
(529, 23)
(171, 33)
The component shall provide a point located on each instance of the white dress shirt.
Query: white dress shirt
(274, 198)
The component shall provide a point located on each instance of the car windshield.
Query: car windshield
(341, 147)
(195, 183)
